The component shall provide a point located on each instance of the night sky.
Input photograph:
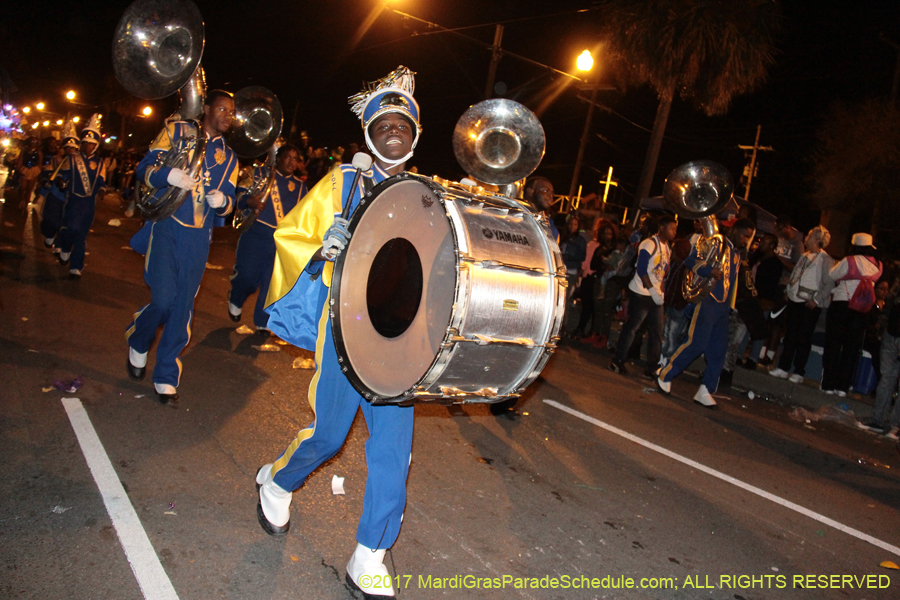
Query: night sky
(828, 51)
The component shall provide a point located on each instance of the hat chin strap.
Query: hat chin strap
(388, 161)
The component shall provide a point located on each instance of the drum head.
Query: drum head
(394, 287)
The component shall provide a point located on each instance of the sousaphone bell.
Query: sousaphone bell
(258, 118)
(499, 143)
(157, 49)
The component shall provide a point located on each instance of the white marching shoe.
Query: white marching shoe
(704, 398)
(274, 506)
(366, 572)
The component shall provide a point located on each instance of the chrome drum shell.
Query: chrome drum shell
(490, 301)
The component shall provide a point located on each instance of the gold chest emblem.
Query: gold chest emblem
(92, 165)
(291, 186)
(220, 156)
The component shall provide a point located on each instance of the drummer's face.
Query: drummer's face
(392, 136)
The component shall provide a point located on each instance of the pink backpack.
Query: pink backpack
(863, 298)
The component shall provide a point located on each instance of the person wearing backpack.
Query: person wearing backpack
(645, 297)
(851, 298)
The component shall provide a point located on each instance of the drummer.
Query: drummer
(307, 241)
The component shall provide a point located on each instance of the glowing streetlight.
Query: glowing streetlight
(26, 110)
(147, 111)
(70, 95)
(46, 123)
(34, 125)
(585, 61)
(76, 119)
(59, 121)
(39, 106)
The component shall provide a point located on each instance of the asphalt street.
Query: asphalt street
(595, 482)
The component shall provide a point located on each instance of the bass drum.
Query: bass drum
(445, 295)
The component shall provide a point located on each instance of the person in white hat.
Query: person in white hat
(308, 240)
(84, 177)
(852, 297)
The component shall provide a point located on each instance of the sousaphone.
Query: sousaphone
(157, 49)
(700, 189)
(257, 124)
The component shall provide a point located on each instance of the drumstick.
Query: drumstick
(362, 162)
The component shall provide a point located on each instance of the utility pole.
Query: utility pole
(752, 170)
(584, 139)
(495, 59)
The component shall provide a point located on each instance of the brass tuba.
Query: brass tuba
(156, 50)
(257, 124)
(499, 142)
(699, 190)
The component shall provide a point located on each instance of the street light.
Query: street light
(39, 106)
(26, 110)
(59, 121)
(585, 61)
(46, 123)
(76, 119)
(70, 95)
(147, 111)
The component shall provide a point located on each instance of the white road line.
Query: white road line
(148, 571)
(729, 479)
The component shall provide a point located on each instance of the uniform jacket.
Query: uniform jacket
(299, 287)
(286, 192)
(219, 173)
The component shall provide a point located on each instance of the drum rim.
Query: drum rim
(335, 306)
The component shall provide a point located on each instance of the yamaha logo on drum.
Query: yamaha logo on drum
(505, 236)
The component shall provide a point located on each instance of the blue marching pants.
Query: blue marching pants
(388, 450)
(708, 334)
(253, 265)
(174, 266)
(52, 214)
(77, 220)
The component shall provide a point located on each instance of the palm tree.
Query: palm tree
(708, 51)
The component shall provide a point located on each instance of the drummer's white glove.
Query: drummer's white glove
(180, 179)
(657, 297)
(215, 199)
(336, 239)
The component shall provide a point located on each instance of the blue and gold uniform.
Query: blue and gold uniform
(54, 197)
(298, 308)
(255, 255)
(176, 250)
(708, 332)
(84, 177)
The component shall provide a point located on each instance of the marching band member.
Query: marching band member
(85, 179)
(307, 241)
(708, 332)
(54, 197)
(177, 247)
(255, 254)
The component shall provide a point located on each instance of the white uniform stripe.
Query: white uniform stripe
(148, 571)
(729, 479)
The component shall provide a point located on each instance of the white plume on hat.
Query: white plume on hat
(91, 131)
